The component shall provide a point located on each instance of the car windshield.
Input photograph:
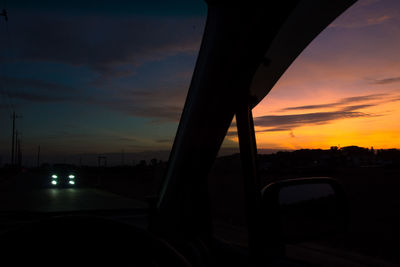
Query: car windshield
(91, 96)
(335, 113)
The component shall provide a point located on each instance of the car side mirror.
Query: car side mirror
(304, 209)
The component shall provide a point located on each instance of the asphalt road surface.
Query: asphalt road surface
(65, 199)
(34, 193)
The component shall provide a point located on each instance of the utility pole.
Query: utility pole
(16, 148)
(38, 157)
(14, 139)
(18, 155)
(104, 158)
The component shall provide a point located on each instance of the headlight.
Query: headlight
(54, 176)
(54, 182)
(71, 182)
(71, 176)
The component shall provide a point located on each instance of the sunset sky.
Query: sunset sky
(343, 89)
(113, 76)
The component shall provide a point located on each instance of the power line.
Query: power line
(38, 157)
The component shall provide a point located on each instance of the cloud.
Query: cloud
(276, 129)
(28, 83)
(158, 103)
(363, 98)
(357, 107)
(345, 101)
(108, 51)
(378, 20)
(4, 106)
(232, 133)
(150, 106)
(161, 104)
(367, 2)
(156, 113)
(37, 97)
(62, 134)
(290, 122)
(35, 90)
(310, 107)
(387, 80)
(163, 141)
(111, 46)
(345, 108)
(366, 13)
(355, 23)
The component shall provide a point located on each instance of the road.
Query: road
(34, 193)
(65, 199)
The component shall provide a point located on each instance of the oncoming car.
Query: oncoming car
(62, 175)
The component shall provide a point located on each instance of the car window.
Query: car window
(335, 113)
(94, 90)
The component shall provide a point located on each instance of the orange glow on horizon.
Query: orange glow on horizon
(377, 126)
(343, 90)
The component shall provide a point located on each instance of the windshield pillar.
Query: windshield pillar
(251, 183)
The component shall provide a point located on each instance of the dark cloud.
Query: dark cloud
(310, 107)
(37, 97)
(232, 133)
(276, 129)
(147, 106)
(160, 105)
(35, 90)
(64, 134)
(362, 98)
(290, 122)
(28, 83)
(357, 107)
(127, 139)
(109, 45)
(157, 113)
(163, 141)
(387, 80)
(345, 101)
(4, 106)
(76, 135)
